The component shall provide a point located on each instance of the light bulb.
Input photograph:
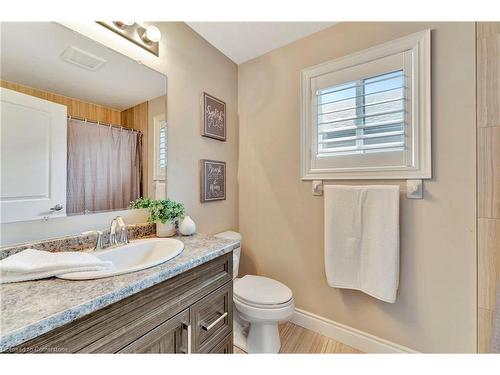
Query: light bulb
(152, 34)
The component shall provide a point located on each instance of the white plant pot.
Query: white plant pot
(165, 230)
(187, 227)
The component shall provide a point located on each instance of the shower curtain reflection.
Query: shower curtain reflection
(104, 167)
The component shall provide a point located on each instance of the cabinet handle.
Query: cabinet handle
(188, 328)
(57, 207)
(211, 325)
(189, 339)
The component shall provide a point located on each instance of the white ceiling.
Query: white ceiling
(31, 55)
(243, 41)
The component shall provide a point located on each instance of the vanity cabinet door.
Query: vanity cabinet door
(225, 346)
(170, 337)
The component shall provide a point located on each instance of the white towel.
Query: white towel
(31, 264)
(362, 239)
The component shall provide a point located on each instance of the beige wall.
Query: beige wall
(282, 223)
(192, 66)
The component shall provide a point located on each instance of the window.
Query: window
(367, 115)
(362, 116)
(160, 148)
(162, 157)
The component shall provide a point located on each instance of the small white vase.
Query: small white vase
(165, 230)
(187, 227)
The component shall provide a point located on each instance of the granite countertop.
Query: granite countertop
(31, 308)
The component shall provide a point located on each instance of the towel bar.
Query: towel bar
(414, 188)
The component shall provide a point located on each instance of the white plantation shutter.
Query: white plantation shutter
(367, 115)
(162, 157)
(160, 148)
(362, 116)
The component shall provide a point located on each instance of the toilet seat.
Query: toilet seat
(264, 314)
(261, 292)
(260, 305)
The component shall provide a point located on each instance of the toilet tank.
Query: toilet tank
(235, 236)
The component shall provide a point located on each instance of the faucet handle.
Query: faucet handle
(99, 244)
(123, 235)
(112, 232)
(120, 221)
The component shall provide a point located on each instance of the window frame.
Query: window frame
(415, 49)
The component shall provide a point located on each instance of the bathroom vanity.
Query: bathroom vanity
(181, 306)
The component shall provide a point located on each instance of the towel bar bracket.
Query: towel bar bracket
(317, 187)
(414, 189)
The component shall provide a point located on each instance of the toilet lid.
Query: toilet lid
(261, 290)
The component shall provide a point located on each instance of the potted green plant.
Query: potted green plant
(163, 212)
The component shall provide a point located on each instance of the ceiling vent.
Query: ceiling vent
(82, 58)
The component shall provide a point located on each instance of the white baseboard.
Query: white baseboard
(347, 335)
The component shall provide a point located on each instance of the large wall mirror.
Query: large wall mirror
(83, 127)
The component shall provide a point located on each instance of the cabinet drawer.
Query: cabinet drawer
(170, 337)
(212, 319)
(225, 346)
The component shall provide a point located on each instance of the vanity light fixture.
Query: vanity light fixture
(145, 36)
(151, 35)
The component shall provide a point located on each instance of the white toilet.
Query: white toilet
(260, 304)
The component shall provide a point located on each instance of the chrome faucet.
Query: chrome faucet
(118, 232)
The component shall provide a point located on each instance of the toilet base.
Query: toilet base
(240, 331)
(240, 341)
(255, 337)
(263, 338)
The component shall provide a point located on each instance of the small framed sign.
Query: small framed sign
(214, 118)
(213, 180)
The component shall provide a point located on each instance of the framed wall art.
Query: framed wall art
(214, 118)
(213, 180)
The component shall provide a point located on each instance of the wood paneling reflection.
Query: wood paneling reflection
(76, 107)
(136, 118)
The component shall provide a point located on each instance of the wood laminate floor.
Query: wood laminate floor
(298, 340)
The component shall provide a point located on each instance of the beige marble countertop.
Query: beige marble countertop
(31, 308)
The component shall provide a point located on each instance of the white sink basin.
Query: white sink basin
(135, 256)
